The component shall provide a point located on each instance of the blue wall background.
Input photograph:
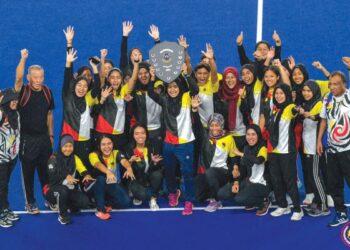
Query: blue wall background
(310, 30)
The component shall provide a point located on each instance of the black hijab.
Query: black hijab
(65, 164)
(79, 102)
(273, 125)
(298, 88)
(248, 102)
(316, 95)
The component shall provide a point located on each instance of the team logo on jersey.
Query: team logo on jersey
(340, 132)
(345, 234)
(167, 59)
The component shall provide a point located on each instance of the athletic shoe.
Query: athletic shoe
(108, 209)
(213, 206)
(308, 199)
(316, 212)
(32, 209)
(8, 214)
(339, 218)
(153, 205)
(52, 207)
(188, 208)
(136, 202)
(103, 215)
(265, 209)
(280, 211)
(64, 219)
(174, 198)
(4, 222)
(330, 202)
(296, 216)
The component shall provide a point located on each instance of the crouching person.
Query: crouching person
(63, 190)
(251, 191)
(107, 162)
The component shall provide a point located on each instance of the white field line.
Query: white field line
(259, 24)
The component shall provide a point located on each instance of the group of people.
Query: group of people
(127, 136)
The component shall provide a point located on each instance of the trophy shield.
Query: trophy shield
(167, 59)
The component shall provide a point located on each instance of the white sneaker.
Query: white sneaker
(296, 216)
(153, 205)
(330, 201)
(136, 202)
(280, 211)
(308, 199)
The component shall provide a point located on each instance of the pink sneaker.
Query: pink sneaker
(188, 208)
(174, 198)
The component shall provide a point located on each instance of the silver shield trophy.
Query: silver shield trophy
(167, 59)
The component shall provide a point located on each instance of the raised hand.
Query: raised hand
(69, 33)
(257, 55)
(104, 53)
(239, 39)
(291, 62)
(156, 158)
(346, 61)
(184, 69)
(195, 102)
(183, 42)
(71, 56)
(277, 63)
(210, 52)
(276, 38)
(24, 54)
(271, 53)
(154, 32)
(127, 28)
(105, 93)
(317, 65)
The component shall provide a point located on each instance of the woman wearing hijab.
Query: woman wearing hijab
(77, 104)
(228, 104)
(282, 158)
(251, 98)
(179, 137)
(251, 190)
(310, 111)
(216, 158)
(9, 134)
(63, 189)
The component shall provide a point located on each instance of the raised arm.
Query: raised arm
(318, 65)
(284, 75)
(20, 69)
(103, 77)
(183, 43)
(96, 87)
(127, 28)
(69, 34)
(68, 72)
(135, 72)
(278, 43)
(346, 61)
(210, 55)
(241, 52)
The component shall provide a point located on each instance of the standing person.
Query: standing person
(62, 189)
(112, 114)
(228, 104)
(335, 116)
(179, 137)
(77, 103)
(309, 112)
(35, 107)
(282, 159)
(10, 138)
(145, 162)
(107, 162)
